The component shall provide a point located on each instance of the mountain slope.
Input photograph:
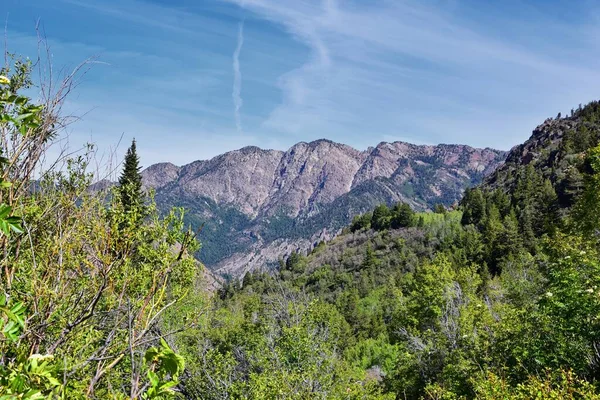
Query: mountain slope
(555, 151)
(496, 299)
(259, 204)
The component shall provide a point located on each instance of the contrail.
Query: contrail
(237, 78)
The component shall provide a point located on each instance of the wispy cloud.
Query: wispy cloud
(237, 78)
(395, 67)
(358, 72)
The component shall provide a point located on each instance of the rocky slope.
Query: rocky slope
(556, 152)
(257, 205)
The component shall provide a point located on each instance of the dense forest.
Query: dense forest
(101, 297)
(498, 298)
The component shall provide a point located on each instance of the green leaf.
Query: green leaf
(14, 223)
(151, 354)
(153, 378)
(21, 117)
(5, 210)
(21, 100)
(53, 381)
(4, 227)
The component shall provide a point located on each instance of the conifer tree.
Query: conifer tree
(381, 218)
(130, 181)
(403, 216)
(439, 209)
(370, 261)
(474, 205)
(586, 212)
(509, 240)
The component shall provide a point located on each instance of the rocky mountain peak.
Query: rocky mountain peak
(309, 173)
(159, 175)
(264, 201)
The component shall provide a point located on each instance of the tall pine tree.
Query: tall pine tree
(130, 182)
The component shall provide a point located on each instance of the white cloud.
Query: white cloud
(358, 72)
(375, 66)
(237, 78)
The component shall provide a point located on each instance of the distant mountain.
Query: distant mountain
(257, 205)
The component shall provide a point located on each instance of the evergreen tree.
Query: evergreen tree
(548, 208)
(586, 212)
(570, 187)
(509, 240)
(491, 230)
(501, 201)
(402, 216)
(526, 224)
(361, 222)
(439, 209)
(381, 218)
(473, 204)
(370, 261)
(130, 181)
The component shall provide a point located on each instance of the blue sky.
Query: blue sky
(190, 79)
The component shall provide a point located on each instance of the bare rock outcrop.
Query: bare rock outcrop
(258, 204)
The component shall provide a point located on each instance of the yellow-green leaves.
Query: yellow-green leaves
(165, 366)
(12, 319)
(31, 378)
(166, 360)
(4, 80)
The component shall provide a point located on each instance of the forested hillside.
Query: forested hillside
(101, 297)
(498, 299)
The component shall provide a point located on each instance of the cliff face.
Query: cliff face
(260, 204)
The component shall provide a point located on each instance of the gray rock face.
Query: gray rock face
(158, 176)
(262, 202)
(242, 178)
(312, 173)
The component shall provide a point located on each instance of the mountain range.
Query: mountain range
(256, 205)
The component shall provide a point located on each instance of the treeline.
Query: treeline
(401, 215)
(496, 300)
(512, 222)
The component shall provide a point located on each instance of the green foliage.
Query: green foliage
(495, 300)
(402, 216)
(382, 218)
(439, 209)
(474, 206)
(586, 213)
(12, 321)
(164, 368)
(88, 278)
(35, 377)
(18, 115)
(361, 222)
(101, 296)
(552, 386)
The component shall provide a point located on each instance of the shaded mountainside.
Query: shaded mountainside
(260, 204)
(555, 151)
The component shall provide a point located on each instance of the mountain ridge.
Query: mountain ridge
(264, 203)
